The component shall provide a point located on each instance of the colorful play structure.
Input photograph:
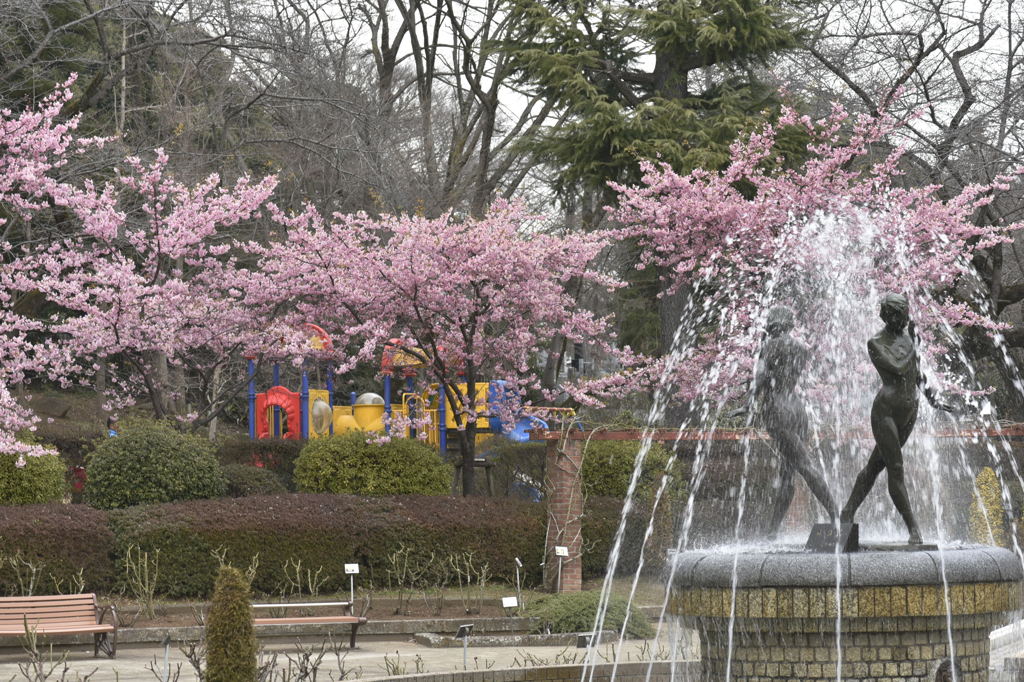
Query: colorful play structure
(311, 413)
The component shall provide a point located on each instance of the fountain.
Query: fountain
(883, 612)
(785, 283)
(878, 612)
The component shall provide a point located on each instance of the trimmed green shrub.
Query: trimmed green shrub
(40, 480)
(607, 468)
(577, 611)
(327, 531)
(230, 640)
(276, 454)
(244, 480)
(151, 462)
(60, 540)
(600, 521)
(516, 465)
(348, 464)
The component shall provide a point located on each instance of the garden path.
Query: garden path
(374, 659)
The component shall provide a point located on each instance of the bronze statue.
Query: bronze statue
(893, 351)
(781, 362)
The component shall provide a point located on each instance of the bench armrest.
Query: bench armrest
(102, 611)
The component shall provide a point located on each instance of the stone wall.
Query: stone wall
(898, 616)
(891, 649)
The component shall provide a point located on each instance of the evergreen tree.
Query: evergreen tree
(669, 79)
(230, 641)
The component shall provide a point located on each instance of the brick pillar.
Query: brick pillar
(564, 493)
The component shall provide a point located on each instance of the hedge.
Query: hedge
(38, 480)
(600, 521)
(276, 454)
(246, 480)
(577, 612)
(608, 467)
(59, 539)
(348, 464)
(329, 531)
(318, 530)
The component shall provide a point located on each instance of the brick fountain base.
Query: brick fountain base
(897, 612)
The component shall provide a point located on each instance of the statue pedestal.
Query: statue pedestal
(825, 537)
(872, 615)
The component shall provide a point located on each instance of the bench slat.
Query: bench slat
(298, 620)
(17, 622)
(24, 608)
(49, 616)
(302, 605)
(56, 630)
(42, 606)
(46, 608)
(77, 615)
(86, 596)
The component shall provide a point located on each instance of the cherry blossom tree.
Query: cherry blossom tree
(145, 280)
(150, 283)
(731, 238)
(34, 145)
(475, 299)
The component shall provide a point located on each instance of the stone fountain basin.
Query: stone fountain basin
(772, 613)
(875, 565)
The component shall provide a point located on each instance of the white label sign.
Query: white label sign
(509, 602)
(561, 551)
(351, 569)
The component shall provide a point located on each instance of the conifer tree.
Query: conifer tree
(672, 80)
(668, 79)
(230, 640)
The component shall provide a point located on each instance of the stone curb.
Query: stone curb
(398, 628)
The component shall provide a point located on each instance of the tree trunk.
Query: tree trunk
(215, 388)
(467, 444)
(101, 376)
(178, 390)
(670, 316)
(158, 388)
(553, 363)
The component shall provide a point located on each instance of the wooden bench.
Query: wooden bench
(60, 614)
(345, 618)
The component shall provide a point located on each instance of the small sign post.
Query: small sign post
(519, 588)
(352, 570)
(463, 633)
(509, 603)
(561, 552)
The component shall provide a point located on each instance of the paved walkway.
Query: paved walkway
(373, 659)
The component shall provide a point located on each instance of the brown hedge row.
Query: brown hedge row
(318, 530)
(329, 531)
(56, 540)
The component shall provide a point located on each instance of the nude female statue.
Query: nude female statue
(893, 352)
(781, 362)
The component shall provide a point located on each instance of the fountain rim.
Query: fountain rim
(774, 568)
(1009, 430)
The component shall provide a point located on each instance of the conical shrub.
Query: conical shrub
(230, 639)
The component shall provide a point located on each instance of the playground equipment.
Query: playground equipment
(311, 413)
